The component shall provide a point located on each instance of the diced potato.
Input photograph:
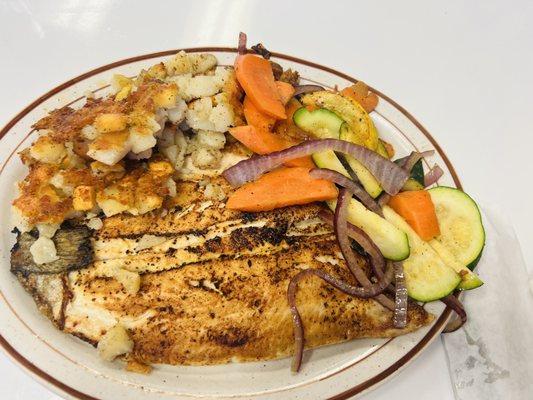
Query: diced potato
(113, 201)
(110, 122)
(115, 171)
(163, 167)
(43, 250)
(203, 115)
(58, 181)
(210, 139)
(114, 343)
(83, 198)
(89, 132)
(119, 82)
(123, 93)
(157, 71)
(141, 139)
(170, 152)
(214, 192)
(47, 230)
(166, 97)
(206, 158)
(110, 148)
(47, 150)
(222, 115)
(111, 206)
(95, 223)
(176, 114)
(148, 202)
(183, 63)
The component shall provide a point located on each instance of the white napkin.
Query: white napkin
(491, 357)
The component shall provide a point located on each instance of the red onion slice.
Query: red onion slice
(241, 49)
(376, 258)
(453, 302)
(340, 226)
(388, 174)
(302, 89)
(409, 161)
(355, 188)
(298, 328)
(433, 175)
(299, 337)
(400, 309)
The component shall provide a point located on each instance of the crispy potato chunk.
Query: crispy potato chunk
(84, 198)
(110, 148)
(48, 151)
(115, 343)
(110, 122)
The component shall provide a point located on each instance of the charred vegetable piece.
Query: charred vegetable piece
(73, 247)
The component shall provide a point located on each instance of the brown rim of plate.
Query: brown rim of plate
(435, 329)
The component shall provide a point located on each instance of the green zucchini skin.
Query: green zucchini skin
(461, 224)
(427, 276)
(323, 123)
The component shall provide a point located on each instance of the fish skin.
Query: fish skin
(73, 246)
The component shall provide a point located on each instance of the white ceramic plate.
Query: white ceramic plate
(72, 367)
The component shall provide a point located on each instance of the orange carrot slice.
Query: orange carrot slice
(418, 210)
(261, 120)
(285, 90)
(264, 142)
(281, 188)
(257, 118)
(257, 79)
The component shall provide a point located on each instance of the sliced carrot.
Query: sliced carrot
(281, 188)
(257, 118)
(261, 120)
(418, 210)
(285, 90)
(257, 79)
(264, 142)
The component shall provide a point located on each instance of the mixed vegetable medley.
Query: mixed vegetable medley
(423, 240)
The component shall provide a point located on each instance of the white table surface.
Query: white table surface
(464, 69)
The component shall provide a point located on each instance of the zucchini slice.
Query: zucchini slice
(391, 241)
(359, 122)
(368, 181)
(469, 279)
(461, 227)
(321, 123)
(427, 276)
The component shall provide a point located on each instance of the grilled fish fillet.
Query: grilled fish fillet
(213, 284)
